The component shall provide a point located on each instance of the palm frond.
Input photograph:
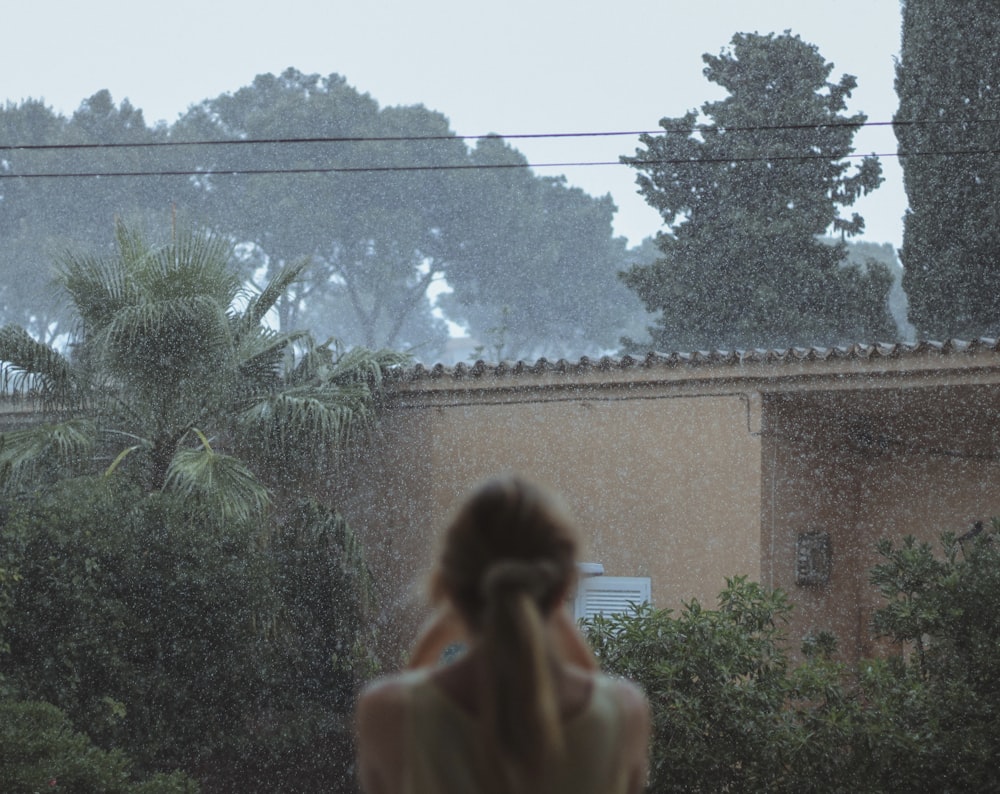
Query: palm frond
(329, 362)
(120, 457)
(97, 287)
(314, 362)
(324, 421)
(160, 337)
(261, 356)
(195, 264)
(361, 365)
(217, 483)
(263, 302)
(23, 453)
(27, 365)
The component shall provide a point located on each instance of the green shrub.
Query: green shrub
(730, 713)
(40, 751)
(717, 684)
(188, 644)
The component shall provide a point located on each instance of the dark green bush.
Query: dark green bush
(186, 644)
(730, 713)
(717, 682)
(40, 751)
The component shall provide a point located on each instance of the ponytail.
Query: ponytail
(520, 705)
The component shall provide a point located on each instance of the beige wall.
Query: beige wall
(863, 466)
(661, 485)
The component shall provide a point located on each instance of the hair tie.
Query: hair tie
(533, 578)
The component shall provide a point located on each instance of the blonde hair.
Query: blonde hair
(509, 558)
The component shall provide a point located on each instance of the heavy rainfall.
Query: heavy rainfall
(252, 358)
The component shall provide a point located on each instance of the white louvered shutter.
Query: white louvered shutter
(608, 595)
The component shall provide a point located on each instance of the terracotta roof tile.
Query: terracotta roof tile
(699, 358)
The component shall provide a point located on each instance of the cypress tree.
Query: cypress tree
(948, 128)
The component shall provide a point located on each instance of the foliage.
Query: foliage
(732, 713)
(410, 207)
(42, 217)
(181, 638)
(135, 618)
(716, 680)
(171, 385)
(536, 272)
(944, 610)
(746, 196)
(948, 82)
(377, 239)
(40, 750)
(499, 236)
(175, 596)
(861, 253)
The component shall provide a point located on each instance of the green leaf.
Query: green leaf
(217, 483)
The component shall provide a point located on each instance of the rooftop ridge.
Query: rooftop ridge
(864, 351)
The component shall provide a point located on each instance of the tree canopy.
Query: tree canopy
(384, 202)
(41, 218)
(948, 82)
(746, 194)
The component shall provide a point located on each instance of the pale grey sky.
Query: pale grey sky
(522, 66)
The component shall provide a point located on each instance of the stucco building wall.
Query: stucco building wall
(690, 470)
(661, 484)
(863, 465)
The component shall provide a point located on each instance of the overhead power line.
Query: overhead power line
(476, 166)
(520, 136)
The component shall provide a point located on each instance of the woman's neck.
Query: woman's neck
(464, 679)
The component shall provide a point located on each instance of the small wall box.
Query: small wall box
(813, 558)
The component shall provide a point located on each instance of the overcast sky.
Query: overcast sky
(517, 67)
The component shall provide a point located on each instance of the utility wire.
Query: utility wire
(478, 166)
(523, 136)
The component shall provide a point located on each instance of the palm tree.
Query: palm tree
(174, 379)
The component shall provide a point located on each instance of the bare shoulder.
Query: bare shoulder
(631, 698)
(381, 731)
(381, 711)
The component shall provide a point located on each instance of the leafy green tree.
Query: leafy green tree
(537, 270)
(39, 749)
(861, 253)
(40, 218)
(135, 616)
(186, 641)
(414, 208)
(25, 293)
(732, 712)
(376, 238)
(410, 207)
(745, 197)
(717, 684)
(948, 82)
